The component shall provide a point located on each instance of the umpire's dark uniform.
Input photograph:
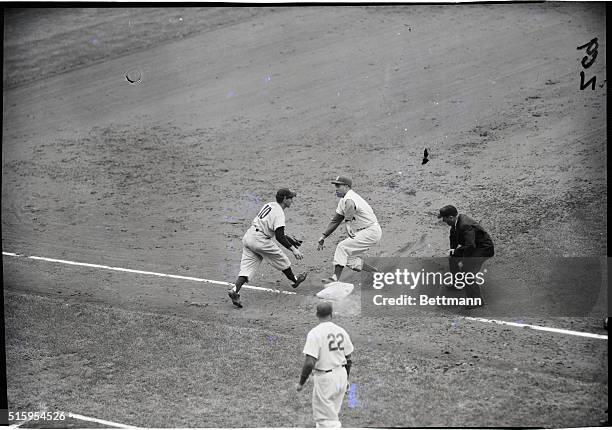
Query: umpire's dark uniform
(476, 246)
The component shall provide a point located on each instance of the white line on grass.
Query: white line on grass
(541, 328)
(96, 420)
(142, 272)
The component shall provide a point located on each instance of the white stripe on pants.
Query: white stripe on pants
(349, 249)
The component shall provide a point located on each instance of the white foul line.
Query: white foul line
(541, 328)
(142, 272)
(96, 420)
(189, 278)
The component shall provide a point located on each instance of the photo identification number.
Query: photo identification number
(587, 61)
(36, 416)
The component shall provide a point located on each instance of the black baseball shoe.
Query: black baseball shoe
(301, 278)
(329, 279)
(235, 298)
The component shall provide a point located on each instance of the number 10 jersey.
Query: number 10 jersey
(269, 218)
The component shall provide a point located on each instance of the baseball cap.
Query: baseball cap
(324, 309)
(342, 180)
(448, 210)
(285, 192)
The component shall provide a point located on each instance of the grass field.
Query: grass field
(155, 370)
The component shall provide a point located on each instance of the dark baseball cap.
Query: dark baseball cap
(342, 180)
(285, 192)
(448, 210)
(324, 309)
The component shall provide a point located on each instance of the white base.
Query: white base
(336, 290)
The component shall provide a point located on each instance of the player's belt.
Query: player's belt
(367, 226)
(327, 371)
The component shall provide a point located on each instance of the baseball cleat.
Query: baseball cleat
(301, 278)
(235, 298)
(331, 278)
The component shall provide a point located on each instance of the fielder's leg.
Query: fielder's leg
(338, 271)
(335, 277)
(349, 250)
(233, 292)
(341, 257)
(358, 264)
(296, 282)
(239, 283)
(369, 268)
(323, 406)
(249, 263)
(279, 260)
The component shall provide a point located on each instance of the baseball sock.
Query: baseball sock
(239, 282)
(338, 271)
(289, 274)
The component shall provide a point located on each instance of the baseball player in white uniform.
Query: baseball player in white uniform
(327, 352)
(361, 226)
(258, 244)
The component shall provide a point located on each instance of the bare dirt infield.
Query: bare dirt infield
(166, 175)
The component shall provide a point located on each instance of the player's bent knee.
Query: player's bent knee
(357, 266)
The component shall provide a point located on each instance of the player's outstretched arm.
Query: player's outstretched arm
(279, 233)
(349, 363)
(347, 366)
(334, 223)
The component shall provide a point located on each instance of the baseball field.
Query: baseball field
(138, 144)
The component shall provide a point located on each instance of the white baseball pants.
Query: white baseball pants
(348, 251)
(327, 395)
(258, 247)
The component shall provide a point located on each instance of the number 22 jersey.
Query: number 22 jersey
(329, 344)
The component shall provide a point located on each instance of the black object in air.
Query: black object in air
(425, 155)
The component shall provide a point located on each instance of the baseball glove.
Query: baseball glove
(293, 241)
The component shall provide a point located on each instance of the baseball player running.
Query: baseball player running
(327, 352)
(258, 244)
(361, 226)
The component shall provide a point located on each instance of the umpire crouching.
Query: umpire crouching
(470, 246)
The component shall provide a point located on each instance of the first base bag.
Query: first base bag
(335, 291)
